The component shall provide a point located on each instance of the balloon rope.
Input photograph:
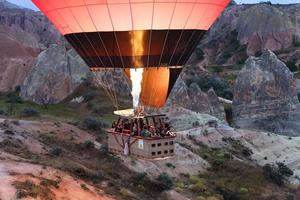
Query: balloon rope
(190, 39)
(183, 29)
(103, 83)
(103, 44)
(85, 50)
(87, 38)
(162, 52)
(150, 39)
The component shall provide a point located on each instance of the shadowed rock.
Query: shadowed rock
(54, 75)
(193, 98)
(265, 96)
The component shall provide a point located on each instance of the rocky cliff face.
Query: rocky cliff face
(193, 98)
(244, 30)
(34, 23)
(18, 50)
(24, 33)
(55, 73)
(265, 96)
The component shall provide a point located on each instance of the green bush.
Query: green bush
(199, 187)
(93, 123)
(273, 174)
(88, 145)
(221, 88)
(165, 182)
(199, 53)
(13, 98)
(29, 112)
(89, 95)
(56, 151)
(291, 64)
(217, 69)
(195, 124)
(284, 170)
(243, 190)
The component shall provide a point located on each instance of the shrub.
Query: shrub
(194, 179)
(29, 112)
(104, 148)
(56, 151)
(18, 89)
(126, 193)
(88, 145)
(199, 53)
(89, 95)
(83, 186)
(212, 198)
(217, 69)
(198, 187)
(195, 124)
(165, 182)
(243, 190)
(284, 170)
(221, 88)
(291, 64)
(2, 112)
(273, 174)
(170, 165)
(258, 53)
(94, 124)
(13, 98)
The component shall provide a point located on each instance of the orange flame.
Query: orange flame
(136, 75)
(138, 48)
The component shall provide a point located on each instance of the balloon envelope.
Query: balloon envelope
(133, 33)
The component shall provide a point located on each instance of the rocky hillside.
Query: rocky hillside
(244, 30)
(43, 159)
(55, 73)
(265, 96)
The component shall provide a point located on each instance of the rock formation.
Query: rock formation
(24, 33)
(193, 98)
(17, 53)
(54, 75)
(265, 96)
(244, 30)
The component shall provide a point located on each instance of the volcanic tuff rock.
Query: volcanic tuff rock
(265, 96)
(34, 23)
(244, 30)
(55, 74)
(193, 98)
(18, 51)
(23, 34)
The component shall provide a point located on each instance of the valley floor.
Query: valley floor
(53, 160)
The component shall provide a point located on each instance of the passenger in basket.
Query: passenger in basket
(120, 127)
(135, 129)
(145, 133)
(114, 124)
(153, 131)
(167, 131)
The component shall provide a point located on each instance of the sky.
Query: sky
(29, 4)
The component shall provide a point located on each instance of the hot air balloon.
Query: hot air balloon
(157, 36)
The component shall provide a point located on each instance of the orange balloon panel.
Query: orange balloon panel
(156, 85)
(133, 33)
(76, 16)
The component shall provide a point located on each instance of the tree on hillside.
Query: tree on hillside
(45, 95)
